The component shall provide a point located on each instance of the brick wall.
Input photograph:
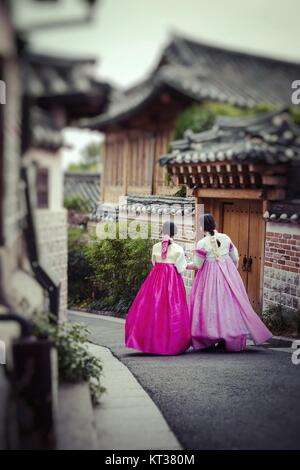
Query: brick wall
(282, 266)
(52, 241)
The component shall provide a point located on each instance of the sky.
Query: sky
(126, 36)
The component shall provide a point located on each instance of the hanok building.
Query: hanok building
(58, 91)
(42, 95)
(139, 122)
(246, 172)
(243, 174)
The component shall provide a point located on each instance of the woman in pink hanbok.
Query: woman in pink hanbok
(158, 320)
(221, 313)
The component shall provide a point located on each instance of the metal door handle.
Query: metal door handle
(244, 267)
(249, 264)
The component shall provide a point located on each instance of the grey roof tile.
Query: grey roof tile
(269, 137)
(86, 186)
(202, 72)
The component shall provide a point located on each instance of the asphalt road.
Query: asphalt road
(216, 400)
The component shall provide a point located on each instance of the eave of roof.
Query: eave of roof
(201, 71)
(269, 137)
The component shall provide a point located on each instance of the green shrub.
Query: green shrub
(77, 204)
(275, 320)
(282, 320)
(295, 113)
(75, 362)
(201, 117)
(80, 271)
(120, 266)
(106, 274)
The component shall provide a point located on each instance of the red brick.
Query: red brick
(284, 247)
(290, 263)
(294, 270)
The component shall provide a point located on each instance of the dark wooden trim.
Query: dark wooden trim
(229, 193)
(42, 187)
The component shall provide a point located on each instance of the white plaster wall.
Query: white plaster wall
(292, 229)
(51, 223)
(53, 162)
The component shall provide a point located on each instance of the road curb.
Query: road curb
(85, 314)
(127, 418)
(280, 342)
(75, 427)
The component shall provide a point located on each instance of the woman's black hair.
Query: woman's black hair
(169, 228)
(209, 225)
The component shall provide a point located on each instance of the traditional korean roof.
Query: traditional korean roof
(159, 205)
(85, 186)
(284, 212)
(139, 205)
(69, 82)
(202, 71)
(44, 133)
(268, 137)
(60, 90)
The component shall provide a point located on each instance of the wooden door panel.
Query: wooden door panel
(242, 221)
(243, 233)
(256, 243)
(236, 226)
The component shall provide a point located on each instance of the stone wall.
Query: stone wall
(282, 266)
(52, 240)
(12, 208)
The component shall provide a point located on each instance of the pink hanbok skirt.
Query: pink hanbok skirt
(220, 308)
(158, 320)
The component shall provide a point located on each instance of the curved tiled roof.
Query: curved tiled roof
(201, 71)
(55, 76)
(285, 212)
(269, 137)
(66, 82)
(85, 186)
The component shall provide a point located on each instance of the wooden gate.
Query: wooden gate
(242, 221)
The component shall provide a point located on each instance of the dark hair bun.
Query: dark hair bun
(169, 228)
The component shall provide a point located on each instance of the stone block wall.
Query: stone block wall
(12, 207)
(52, 241)
(282, 266)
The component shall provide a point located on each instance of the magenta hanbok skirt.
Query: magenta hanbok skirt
(158, 320)
(220, 308)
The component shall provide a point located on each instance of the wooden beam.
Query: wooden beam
(229, 193)
(275, 194)
(269, 180)
(264, 169)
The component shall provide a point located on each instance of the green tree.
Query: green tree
(201, 117)
(90, 158)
